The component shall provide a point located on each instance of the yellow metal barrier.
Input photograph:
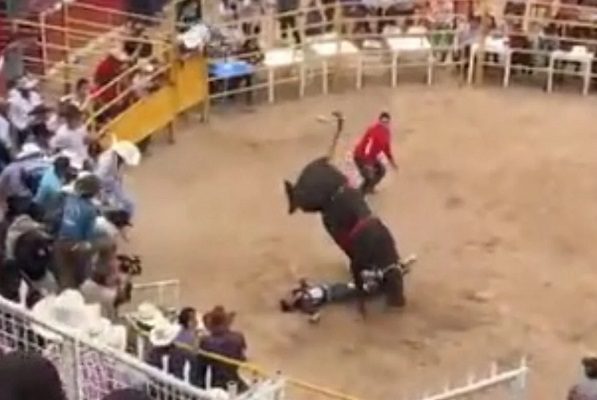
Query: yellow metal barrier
(157, 110)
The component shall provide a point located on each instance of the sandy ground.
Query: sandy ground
(495, 193)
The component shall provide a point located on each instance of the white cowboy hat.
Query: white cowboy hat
(163, 334)
(128, 151)
(66, 311)
(29, 149)
(102, 331)
(148, 314)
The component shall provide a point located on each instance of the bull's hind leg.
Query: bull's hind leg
(393, 287)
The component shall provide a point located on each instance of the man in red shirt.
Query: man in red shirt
(375, 141)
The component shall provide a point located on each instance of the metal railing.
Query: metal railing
(88, 369)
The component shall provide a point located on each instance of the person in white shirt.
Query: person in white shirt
(6, 142)
(22, 99)
(110, 170)
(72, 135)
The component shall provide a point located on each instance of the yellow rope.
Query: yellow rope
(259, 370)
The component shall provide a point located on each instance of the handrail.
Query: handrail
(120, 96)
(107, 10)
(122, 37)
(257, 369)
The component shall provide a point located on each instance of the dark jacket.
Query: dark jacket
(229, 344)
(177, 358)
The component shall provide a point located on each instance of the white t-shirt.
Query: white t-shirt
(19, 108)
(5, 137)
(73, 140)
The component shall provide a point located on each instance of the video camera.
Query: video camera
(129, 264)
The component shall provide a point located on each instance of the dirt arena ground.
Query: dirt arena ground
(496, 194)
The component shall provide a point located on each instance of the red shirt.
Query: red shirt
(108, 69)
(375, 141)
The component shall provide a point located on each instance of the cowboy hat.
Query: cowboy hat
(67, 311)
(128, 151)
(102, 331)
(163, 334)
(28, 150)
(218, 318)
(148, 314)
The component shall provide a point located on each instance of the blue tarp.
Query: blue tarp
(226, 69)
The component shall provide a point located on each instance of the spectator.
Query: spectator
(22, 100)
(225, 342)
(142, 81)
(81, 97)
(586, 389)
(41, 127)
(112, 66)
(288, 20)
(72, 135)
(165, 355)
(110, 168)
(32, 253)
(50, 187)
(189, 13)
(10, 277)
(250, 52)
(103, 288)
(29, 376)
(139, 44)
(21, 177)
(74, 240)
(228, 10)
(189, 325)
(6, 144)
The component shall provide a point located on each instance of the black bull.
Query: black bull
(369, 245)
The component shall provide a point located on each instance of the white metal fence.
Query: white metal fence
(90, 370)
(508, 384)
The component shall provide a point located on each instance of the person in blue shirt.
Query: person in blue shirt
(51, 183)
(74, 245)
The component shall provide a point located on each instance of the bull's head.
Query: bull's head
(316, 185)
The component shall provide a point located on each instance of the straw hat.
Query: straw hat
(128, 151)
(148, 314)
(163, 334)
